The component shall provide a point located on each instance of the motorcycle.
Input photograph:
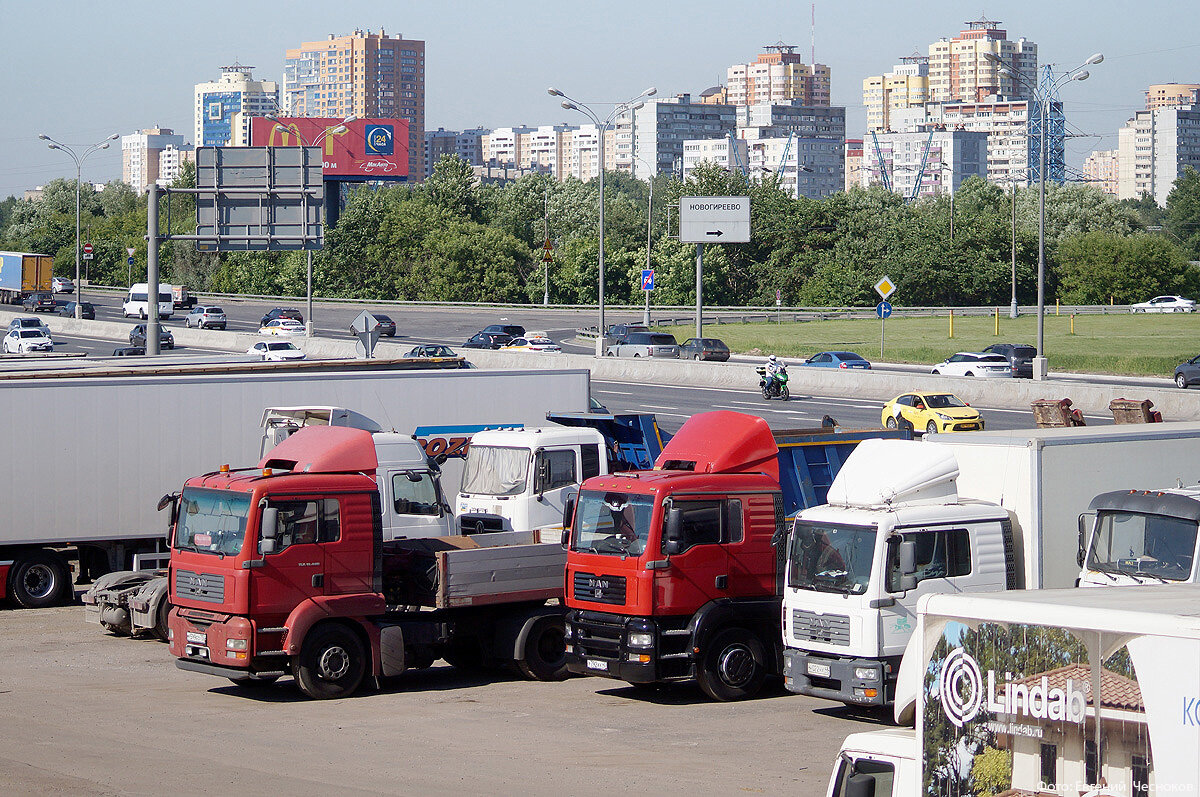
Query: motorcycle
(778, 387)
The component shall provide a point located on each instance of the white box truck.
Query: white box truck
(951, 513)
(92, 453)
(1005, 690)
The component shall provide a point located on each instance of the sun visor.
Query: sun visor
(896, 473)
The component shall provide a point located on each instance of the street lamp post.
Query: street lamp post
(337, 129)
(601, 129)
(1044, 94)
(79, 159)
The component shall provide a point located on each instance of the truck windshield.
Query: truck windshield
(829, 558)
(613, 523)
(493, 470)
(1143, 545)
(212, 521)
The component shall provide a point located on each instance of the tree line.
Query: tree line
(451, 239)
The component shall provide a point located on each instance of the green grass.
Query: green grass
(1143, 345)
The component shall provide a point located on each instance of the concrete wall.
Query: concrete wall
(1175, 404)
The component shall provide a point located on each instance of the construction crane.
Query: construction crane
(883, 170)
(924, 161)
(737, 154)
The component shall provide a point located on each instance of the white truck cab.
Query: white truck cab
(520, 479)
(1140, 537)
(877, 764)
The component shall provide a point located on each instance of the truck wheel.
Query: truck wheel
(544, 657)
(731, 668)
(331, 663)
(39, 579)
(160, 624)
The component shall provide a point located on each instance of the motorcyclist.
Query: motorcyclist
(774, 366)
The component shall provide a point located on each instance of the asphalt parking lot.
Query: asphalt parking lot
(82, 712)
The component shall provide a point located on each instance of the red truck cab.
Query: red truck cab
(672, 574)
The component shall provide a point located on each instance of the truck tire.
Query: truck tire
(161, 631)
(331, 663)
(544, 655)
(732, 666)
(39, 579)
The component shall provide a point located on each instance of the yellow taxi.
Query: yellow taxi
(931, 413)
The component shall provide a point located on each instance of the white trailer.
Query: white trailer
(951, 513)
(91, 454)
(1005, 688)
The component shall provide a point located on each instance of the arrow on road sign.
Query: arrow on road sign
(714, 232)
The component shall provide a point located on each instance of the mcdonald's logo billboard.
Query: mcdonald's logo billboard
(367, 149)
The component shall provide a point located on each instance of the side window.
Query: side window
(943, 553)
(305, 522)
(821, 358)
(414, 493)
(555, 469)
(710, 522)
(590, 455)
(731, 529)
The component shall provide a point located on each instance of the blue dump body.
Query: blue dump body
(809, 459)
(637, 436)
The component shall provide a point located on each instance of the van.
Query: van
(644, 344)
(135, 301)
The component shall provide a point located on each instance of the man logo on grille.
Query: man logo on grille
(960, 687)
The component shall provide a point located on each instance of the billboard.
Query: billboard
(368, 149)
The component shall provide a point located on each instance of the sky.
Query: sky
(80, 71)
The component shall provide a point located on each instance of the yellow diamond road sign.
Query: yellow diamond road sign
(885, 287)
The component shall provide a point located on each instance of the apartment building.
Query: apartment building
(1172, 95)
(649, 141)
(1101, 170)
(140, 153)
(727, 153)
(1154, 148)
(222, 108)
(940, 162)
(778, 75)
(906, 86)
(804, 144)
(853, 162)
(171, 160)
(364, 74)
(467, 144)
(959, 70)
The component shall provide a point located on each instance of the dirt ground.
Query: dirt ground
(82, 712)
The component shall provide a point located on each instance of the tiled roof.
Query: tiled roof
(1116, 691)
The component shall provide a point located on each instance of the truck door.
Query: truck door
(943, 560)
(296, 569)
(700, 572)
(414, 507)
(556, 472)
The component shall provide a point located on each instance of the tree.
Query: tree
(991, 771)
(1149, 212)
(1183, 212)
(452, 187)
(1097, 267)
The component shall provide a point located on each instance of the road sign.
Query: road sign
(130, 261)
(885, 287)
(714, 219)
(365, 327)
(129, 250)
(87, 251)
(883, 309)
(778, 299)
(647, 279)
(547, 252)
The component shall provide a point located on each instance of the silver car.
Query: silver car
(205, 317)
(644, 344)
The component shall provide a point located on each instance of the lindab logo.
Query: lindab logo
(960, 687)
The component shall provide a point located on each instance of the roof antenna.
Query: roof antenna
(813, 34)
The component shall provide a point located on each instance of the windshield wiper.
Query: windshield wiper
(1154, 576)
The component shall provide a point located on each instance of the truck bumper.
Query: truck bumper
(598, 644)
(221, 671)
(835, 678)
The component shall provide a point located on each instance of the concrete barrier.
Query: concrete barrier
(1093, 399)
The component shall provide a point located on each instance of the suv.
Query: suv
(36, 302)
(1019, 355)
(644, 344)
(137, 337)
(487, 340)
(618, 331)
(67, 310)
(282, 312)
(512, 330)
(205, 317)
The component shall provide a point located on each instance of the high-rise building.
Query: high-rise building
(650, 139)
(1101, 169)
(960, 72)
(727, 153)
(1154, 148)
(467, 145)
(1172, 95)
(803, 144)
(941, 161)
(171, 160)
(777, 76)
(366, 75)
(236, 92)
(854, 161)
(906, 86)
(140, 155)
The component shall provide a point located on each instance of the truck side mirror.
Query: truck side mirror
(268, 524)
(673, 532)
(568, 518)
(1086, 521)
(902, 564)
(860, 785)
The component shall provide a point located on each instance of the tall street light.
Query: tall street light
(1045, 93)
(336, 130)
(601, 129)
(79, 159)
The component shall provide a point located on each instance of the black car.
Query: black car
(1019, 355)
(431, 350)
(38, 302)
(487, 340)
(512, 330)
(129, 351)
(67, 310)
(704, 349)
(137, 337)
(386, 326)
(282, 312)
(1188, 373)
(618, 332)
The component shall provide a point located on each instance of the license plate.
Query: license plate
(596, 664)
(819, 670)
(196, 637)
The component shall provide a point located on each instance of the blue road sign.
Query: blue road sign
(647, 279)
(883, 309)
(130, 261)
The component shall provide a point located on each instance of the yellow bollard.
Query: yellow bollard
(952, 322)
(997, 332)
(1072, 323)
(1056, 306)
(1111, 300)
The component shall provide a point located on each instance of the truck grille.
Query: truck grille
(600, 589)
(832, 629)
(200, 586)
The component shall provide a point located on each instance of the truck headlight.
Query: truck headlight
(866, 673)
(236, 644)
(641, 639)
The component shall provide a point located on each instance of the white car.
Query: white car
(1164, 304)
(25, 339)
(282, 326)
(968, 363)
(62, 285)
(276, 351)
(531, 343)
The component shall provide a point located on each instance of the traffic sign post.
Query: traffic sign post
(87, 251)
(883, 310)
(711, 219)
(366, 328)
